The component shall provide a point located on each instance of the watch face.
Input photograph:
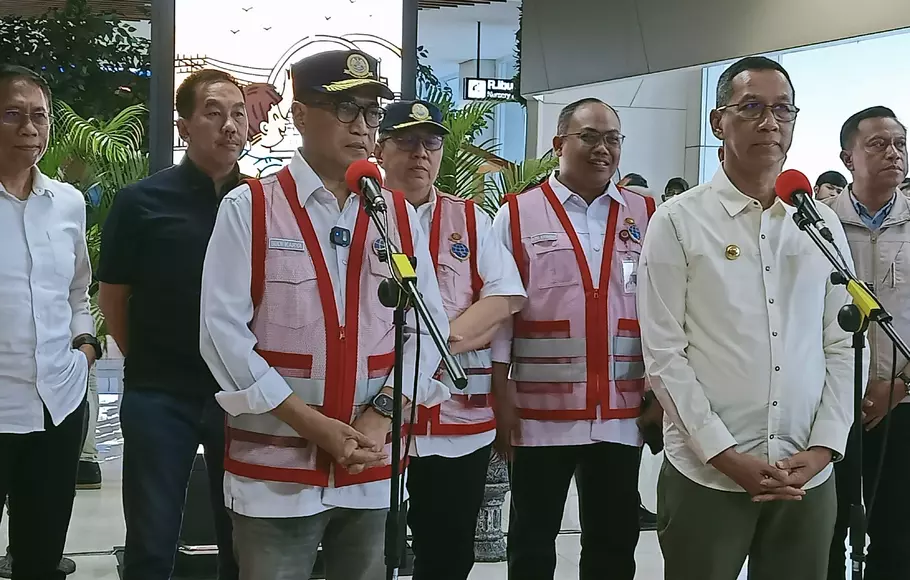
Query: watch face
(384, 403)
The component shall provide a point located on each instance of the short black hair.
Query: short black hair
(12, 72)
(565, 115)
(187, 91)
(677, 183)
(831, 178)
(851, 126)
(636, 180)
(750, 63)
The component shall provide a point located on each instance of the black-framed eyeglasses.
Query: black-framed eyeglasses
(348, 111)
(410, 143)
(611, 139)
(753, 110)
(880, 145)
(16, 118)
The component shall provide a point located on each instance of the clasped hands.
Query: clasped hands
(765, 482)
(355, 447)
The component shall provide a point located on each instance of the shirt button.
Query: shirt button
(763, 236)
(774, 403)
(777, 368)
(772, 437)
(767, 268)
(771, 301)
(774, 333)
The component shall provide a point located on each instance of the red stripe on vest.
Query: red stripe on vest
(471, 220)
(259, 242)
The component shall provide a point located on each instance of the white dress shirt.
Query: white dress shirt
(740, 334)
(44, 278)
(500, 276)
(590, 223)
(250, 384)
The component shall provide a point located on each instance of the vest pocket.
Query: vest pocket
(291, 293)
(553, 263)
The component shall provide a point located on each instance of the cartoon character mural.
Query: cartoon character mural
(268, 127)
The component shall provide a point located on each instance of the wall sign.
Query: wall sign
(477, 89)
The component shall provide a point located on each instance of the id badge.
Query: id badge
(629, 275)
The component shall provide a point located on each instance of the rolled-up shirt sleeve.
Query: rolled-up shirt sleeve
(227, 344)
(834, 417)
(662, 282)
(82, 322)
(430, 392)
(501, 345)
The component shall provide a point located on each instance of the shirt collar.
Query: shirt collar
(201, 180)
(306, 179)
(41, 184)
(563, 193)
(864, 212)
(735, 201)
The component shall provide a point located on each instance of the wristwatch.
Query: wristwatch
(84, 339)
(383, 404)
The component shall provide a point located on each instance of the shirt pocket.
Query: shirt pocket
(553, 262)
(456, 291)
(64, 254)
(379, 271)
(293, 299)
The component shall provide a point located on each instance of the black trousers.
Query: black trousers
(161, 434)
(38, 476)
(889, 521)
(446, 494)
(606, 475)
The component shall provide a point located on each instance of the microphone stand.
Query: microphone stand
(855, 318)
(400, 292)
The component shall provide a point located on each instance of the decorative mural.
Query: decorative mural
(257, 41)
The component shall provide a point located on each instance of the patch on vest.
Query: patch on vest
(380, 250)
(286, 244)
(536, 239)
(460, 251)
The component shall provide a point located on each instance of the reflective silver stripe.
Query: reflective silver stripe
(626, 346)
(549, 373)
(312, 391)
(549, 347)
(478, 384)
(628, 371)
(476, 359)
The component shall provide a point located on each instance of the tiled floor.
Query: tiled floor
(97, 524)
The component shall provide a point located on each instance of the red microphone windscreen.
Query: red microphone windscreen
(789, 182)
(360, 169)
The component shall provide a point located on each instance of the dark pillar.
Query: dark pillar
(409, 49)
(161, 99)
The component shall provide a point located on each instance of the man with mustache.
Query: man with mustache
(876, 217)
(576, 380)
(47, 343)
(294, 331)
(480, 290)
(745, 354)
(152, 251)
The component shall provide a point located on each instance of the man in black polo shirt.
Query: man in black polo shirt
(152, 250)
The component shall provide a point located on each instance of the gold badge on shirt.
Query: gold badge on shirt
(732, 252)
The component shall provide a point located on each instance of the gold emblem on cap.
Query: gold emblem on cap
(630, 221)
(358, 66)
(455, 237)
(732, 252)
(420, 112)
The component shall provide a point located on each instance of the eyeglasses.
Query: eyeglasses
(753, 110)
(348, 111)
(17, 118)
(410, 143)
(880, 145)
(611, 139)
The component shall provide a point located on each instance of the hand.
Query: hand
(806, 464)
(875, 403)
(652, 415)
(454, 347)
(348, 447)
(376, 428)
(508, 428)
(89, 352)
(762, 481)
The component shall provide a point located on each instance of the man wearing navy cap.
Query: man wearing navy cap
(301, 345)
(481, 289)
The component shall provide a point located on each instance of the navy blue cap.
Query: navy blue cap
(336, 71)
(404, 114)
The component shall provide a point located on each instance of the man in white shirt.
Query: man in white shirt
(480, 289)
(744, 352)
(47, 342)
(293, 331)
(573, 354)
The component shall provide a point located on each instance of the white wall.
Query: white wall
(661, 119)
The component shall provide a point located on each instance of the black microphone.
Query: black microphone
(792, 187)
(363, 178)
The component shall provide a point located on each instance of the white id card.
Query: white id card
(629, 275)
